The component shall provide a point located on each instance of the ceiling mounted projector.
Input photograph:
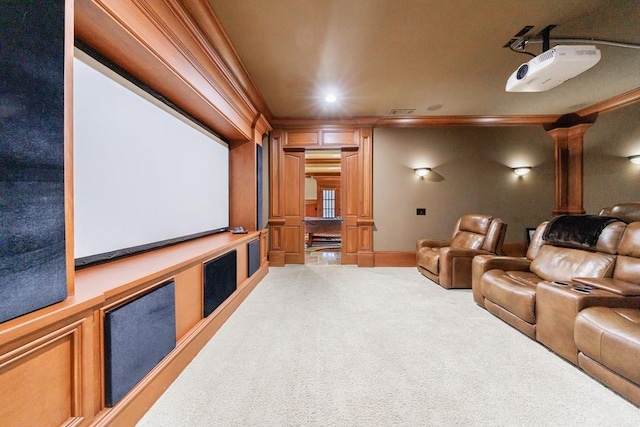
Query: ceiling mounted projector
(552, 67)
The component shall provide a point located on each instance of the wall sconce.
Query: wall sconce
(633, 159)
(422, 172)
(522, 171)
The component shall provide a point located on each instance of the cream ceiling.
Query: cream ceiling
(380, 55)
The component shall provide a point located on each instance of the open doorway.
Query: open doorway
(323, 196)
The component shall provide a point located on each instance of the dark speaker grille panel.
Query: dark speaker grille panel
(137, 336)
(220, 277)
(253, 248)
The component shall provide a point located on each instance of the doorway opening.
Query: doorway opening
(323, 221)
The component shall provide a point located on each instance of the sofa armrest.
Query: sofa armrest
(455, 266)
(616, 286)
(483, 263)
(432, 243)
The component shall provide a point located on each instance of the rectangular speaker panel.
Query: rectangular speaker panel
(137, 336)
(32, 213)
(220, 275)
(254, 256)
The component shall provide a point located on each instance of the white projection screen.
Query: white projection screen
(143, 174)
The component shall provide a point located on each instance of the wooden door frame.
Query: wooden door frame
(356, 144)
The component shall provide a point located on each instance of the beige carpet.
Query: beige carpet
(348, 346)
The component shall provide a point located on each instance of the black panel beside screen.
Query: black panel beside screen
(220, 277)
(253, 248)
(259, 186)
(137, 336)
(32, 220)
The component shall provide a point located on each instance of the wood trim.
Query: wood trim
(611, 104)
(418, 121)
(74, 375)
(211, 28)
(68, 146)
(569, 168)
(243, 185)
(138, 401)
(394, 258)
(160, 44)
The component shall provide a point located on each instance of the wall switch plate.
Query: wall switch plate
(421, 211)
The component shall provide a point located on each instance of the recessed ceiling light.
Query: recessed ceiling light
(330, 97)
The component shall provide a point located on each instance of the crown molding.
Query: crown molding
(610, 104)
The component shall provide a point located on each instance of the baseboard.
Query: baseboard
(394, 258)
(138, 401)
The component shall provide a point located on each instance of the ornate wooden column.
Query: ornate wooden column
(568, 134)
(365, 210)
(276, 199)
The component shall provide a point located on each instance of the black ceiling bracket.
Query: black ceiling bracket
(545, 34)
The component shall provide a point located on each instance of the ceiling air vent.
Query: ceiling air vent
(402, 111)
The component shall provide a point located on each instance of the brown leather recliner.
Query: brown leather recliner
(448, 262)
(608, 337)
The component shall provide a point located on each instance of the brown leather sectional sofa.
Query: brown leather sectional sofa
(580, 300)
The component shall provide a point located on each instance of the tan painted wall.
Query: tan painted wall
(310, 188)
(609, 177)
(471, 174)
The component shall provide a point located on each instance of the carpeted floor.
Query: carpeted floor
(348, 346)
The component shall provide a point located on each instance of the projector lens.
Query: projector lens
(522, 71)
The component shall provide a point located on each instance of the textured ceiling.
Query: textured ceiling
(379, 55)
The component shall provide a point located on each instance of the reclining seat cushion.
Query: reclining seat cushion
(470, 231)
(554, 263)
(611, 337)
(467, 240)
(514, 292)
(429, 258)
(475, 223)
(494, 236)
(628, 262)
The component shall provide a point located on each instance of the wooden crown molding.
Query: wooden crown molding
(610, 104)
(418, 121)
(211, 28)
(162, 45)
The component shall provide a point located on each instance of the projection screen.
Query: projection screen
(143, 174)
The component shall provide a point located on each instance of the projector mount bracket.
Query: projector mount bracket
(518, 43)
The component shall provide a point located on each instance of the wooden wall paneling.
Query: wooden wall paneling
(569, 164)
(243, 201)
(311, 208)
(264, 249)
(47, 380)
(160, 44)
(365, 208)
(133, 405)
(350, 203)
(188, 299)
(339, 137)
(68, 145)
(395, 259)
(242, 272)
(276, 199)
(302, 138)
(293, 189)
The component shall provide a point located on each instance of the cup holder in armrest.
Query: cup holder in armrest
(582, 289)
